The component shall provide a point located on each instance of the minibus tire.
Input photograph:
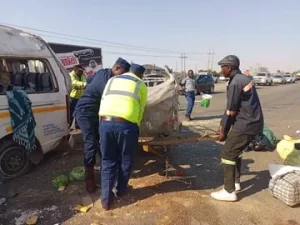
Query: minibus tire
(14, 160)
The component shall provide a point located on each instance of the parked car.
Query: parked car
(222, 78)
(205, 83)
(279, 79)
(289, 78)
(263, 79)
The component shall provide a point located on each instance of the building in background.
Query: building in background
(71, 55)
(154, 70)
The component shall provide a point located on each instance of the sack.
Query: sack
(286, 188)
(160, 116)
(265, 141)
(289, 150)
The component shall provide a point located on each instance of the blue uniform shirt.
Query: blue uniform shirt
(89, 103)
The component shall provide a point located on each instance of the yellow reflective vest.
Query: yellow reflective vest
(124, 96)
(78, 85)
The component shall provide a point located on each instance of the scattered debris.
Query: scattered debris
(24, 215)
(65, 154)
(32, 220)
(60, 182)
(86, 204)
(179, 173)
(2, 201)
(77, 173)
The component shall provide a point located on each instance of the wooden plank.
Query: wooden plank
(177, 139)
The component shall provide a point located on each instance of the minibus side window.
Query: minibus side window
(33, 76)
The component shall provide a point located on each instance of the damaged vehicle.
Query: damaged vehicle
(32, 81)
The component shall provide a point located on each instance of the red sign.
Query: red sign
(68, 60)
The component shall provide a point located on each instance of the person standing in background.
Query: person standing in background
(78, 79)
(189, 85)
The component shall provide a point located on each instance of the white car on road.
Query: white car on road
(289, 78)
(278, 79)
(263, 79)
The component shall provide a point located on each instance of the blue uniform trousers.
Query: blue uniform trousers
(89, 126)
(190, 98)
(73, 103)
(118, 144)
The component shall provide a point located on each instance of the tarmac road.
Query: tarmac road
(175, 198)
(280, 105)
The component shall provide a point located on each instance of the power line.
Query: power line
(210, 54)
(183, 57)
(92, 39)
(133, 54)
(121, 53)
(109, 43)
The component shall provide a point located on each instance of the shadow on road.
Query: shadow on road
(208, 117)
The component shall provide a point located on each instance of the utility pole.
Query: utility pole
(183, 58)
(181, 62)
(210, 60)
(208, 63)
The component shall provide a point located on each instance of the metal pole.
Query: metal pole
(212, 61)
(181, 61)
(208, 63)
(184, 57)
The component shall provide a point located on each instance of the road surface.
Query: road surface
(173, 198)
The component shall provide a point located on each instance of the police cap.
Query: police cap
(230, 60)
(79, 67)
(137, 69)
(123, 63)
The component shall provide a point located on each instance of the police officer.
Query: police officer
(189, 85)
(121, 112)
(78, 79)
(242, 121)
(86, 113)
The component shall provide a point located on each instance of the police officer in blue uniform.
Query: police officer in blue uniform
(121, 112)
(86, 113)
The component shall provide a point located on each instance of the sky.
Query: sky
(260, 32)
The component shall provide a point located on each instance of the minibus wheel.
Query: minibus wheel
(14, 160)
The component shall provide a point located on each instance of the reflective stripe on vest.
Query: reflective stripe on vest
(134, 95)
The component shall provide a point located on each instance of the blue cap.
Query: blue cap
(123, 63)
(137, 69)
